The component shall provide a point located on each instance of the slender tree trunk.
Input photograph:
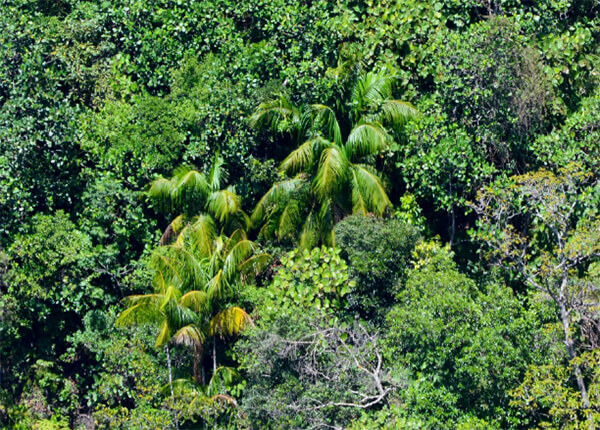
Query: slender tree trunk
(452, 228)
(214, 354)
(170, 370)
(570, 345)
(171, 380)
(452, 225)
(198, 374)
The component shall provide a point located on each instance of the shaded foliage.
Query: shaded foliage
(379, 256)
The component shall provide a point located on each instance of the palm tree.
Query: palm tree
(194, 280)
(330, 173)
(191, 193)
(219, 265)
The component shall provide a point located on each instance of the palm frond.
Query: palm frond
(215, 262)
(289, 219)
(371, 88)
(325, 218)
(238, 221)
(189, 335)
(160, 193)
(309, 236)
(217, 175)
(235, 237)
(302, 158)
(144, 299)
(223, 375)
(279, 192)
(236, 256)
(224, 203)
(397, 113)
(324, 117)
(172, 294)
(182, 386)
(268, 230)
(190, 185)
(178, 315)
(178, 224)
(166, 268)
(202, 235)
(164, 335)
(192, 271)
(180, 242)
(139, 313)
(332, 172)
(195, 300)
(217, 287)
(255, 264)
(368, 193)
(229, 322)
(278, 114)
(366, 139)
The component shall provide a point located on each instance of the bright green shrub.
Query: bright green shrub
(316, 279)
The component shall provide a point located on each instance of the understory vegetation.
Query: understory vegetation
(313, 214)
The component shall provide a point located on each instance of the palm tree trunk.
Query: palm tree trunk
(452, 226)
(338, 213)
(167, 236)
(198, 373)
(171, 381)
(214, 354)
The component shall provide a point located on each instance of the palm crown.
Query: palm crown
(329, 175)
(194, 279)
(190, 194)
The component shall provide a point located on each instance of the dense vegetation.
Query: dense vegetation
(299, 214)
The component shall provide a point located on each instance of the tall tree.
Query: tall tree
(545, 227)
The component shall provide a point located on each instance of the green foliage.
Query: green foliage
(196, 279)
(495, 84)
(50, 284)
(327, 176)
(192, 195)
(100, 98)
(129, 139)
(378, 253)
(305, 370)
(53, 423)
(120, 376)
(553, 248)
(53, 263)
(411, 213)
(466, 347)
(114, 218)
(316, 279)
(575, 141)
(389, 418)
(443, 163)
(546, 392)
(570, 59)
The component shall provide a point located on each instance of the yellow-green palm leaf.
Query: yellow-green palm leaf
(229, 322)
(332, 172)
